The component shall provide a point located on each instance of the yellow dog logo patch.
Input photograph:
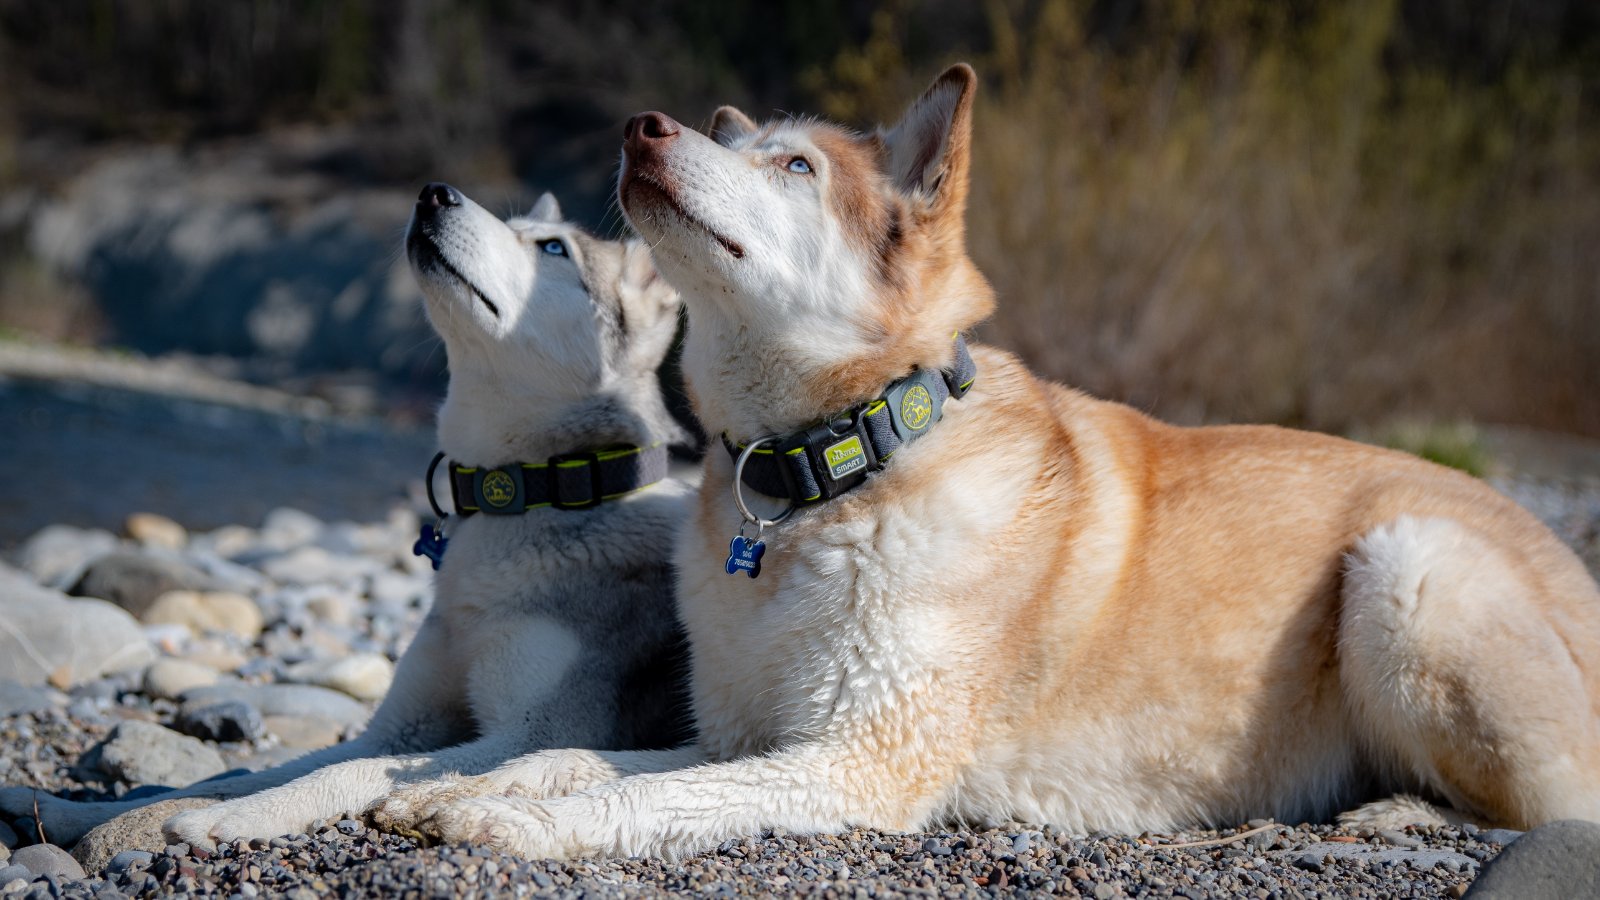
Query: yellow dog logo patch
(916, 407)
(498, 489)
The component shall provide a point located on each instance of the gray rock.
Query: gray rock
(1399, 839)
(57, 555)
(283, 700)
(146, 753)
(227, 721)
(136, 831)
(1310, 862)
(17, 698)
(128, 859)
(50, 637)
(133, 581)
(13, 872)
(1501, 836)
(48, 859)
(1556, 860)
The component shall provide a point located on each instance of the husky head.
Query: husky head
(799, 245)
(553, 335)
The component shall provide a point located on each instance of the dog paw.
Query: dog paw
(1395, 813)
(223, 822)
(409, 810)
(496, 823)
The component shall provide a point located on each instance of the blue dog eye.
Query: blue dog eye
(799, 166)
(554, 247)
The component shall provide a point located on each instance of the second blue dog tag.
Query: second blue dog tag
(431, 544)
(744, 555)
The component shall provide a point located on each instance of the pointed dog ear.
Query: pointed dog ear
(650, 304)
(729, 125)
(546, 209)
(929, 149)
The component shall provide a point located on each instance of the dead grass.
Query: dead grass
(1248, 217)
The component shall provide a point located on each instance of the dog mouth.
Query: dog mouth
(638, 181)
(428, 258)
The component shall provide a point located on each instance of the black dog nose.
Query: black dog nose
(438, 194)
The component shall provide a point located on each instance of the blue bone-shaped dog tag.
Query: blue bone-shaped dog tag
(744, 555)
(431, 544)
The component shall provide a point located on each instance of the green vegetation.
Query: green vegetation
(1458, 445)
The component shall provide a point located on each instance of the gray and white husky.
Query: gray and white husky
(551, 627)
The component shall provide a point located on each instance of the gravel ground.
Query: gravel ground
(328, 593)
(347, 859)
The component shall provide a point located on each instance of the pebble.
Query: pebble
(314, 565)
(301, 733)
(57, 555)
(364, 676)
(155, 530)
(128, 858)
(1399, 838)
(167, 679)
(284, 700)
(224, 722)
(285, 528)
(207, 611)
(146, 753)
(133, 580)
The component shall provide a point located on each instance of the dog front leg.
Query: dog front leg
(348, 787)
(536, 776)
(674, 814)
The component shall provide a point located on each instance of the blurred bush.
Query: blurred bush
(1315, 213)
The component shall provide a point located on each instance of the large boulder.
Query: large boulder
(1552, 862)
(46, 636)
(136, 830)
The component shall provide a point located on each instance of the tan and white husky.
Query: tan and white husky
(1050, 608)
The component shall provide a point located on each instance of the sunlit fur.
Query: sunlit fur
(1052, 608)
(549, 629)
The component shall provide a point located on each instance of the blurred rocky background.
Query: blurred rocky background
(1373, 217)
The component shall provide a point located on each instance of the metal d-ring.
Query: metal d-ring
(738, 482)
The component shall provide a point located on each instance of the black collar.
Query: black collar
(568, 481)
(833, 456)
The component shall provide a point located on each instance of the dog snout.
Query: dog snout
(437, 195)
(649, 129)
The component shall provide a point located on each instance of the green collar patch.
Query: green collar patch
(834, 456)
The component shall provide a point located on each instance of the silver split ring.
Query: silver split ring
(738, 482)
